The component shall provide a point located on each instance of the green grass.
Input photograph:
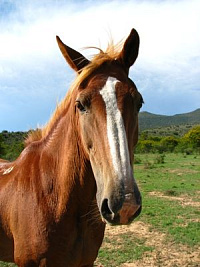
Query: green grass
(176, 221)
(123, 248)
(4, 264)
(176, 176)
(179, 173)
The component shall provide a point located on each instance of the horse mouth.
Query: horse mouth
(124, 216)
(128, 213)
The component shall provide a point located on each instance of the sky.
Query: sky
(34, 76)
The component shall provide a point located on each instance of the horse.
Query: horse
(75, 175)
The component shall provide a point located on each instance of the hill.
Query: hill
(153, 121)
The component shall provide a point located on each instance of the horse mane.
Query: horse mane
(111, 53)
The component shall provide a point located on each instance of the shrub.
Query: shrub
(169, 143)
(190, 142)
(193, 137)
(146, 146)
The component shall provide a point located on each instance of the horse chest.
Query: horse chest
(75, 246)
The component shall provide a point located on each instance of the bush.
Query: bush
(190, 142)
(193, 137)
(169, 143)
(147, 146)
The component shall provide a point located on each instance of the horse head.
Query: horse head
(106, 103)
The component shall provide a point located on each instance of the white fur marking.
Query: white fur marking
(116, 131)
(6, 171)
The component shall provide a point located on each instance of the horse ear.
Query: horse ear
(130, 50)
(75, 59)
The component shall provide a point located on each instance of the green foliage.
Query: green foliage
(193, 137)
(189, 143)
(11, 144)
(169, 143)
(146, 146)
(150, 141)
(7, 264)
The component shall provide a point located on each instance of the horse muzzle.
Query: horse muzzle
(123, 211)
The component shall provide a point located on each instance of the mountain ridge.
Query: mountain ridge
(149, 120)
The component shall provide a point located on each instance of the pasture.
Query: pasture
(167, 233)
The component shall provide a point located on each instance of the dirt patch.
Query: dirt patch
(139, 229)
(167, 256)
(184, 200)
(182, 171)
(164, 254)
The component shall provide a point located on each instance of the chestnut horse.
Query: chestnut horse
(75, 175)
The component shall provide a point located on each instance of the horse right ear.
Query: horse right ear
(75, 59)
(130, 50)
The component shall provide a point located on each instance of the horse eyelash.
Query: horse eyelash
(80, 106)
(141, 103)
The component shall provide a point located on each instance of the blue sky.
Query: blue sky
(34, 76)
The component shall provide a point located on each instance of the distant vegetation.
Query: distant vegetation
(158, 134)
(11, 144)
(173, 130)
(152, 143)
(178, 133)
(183, 121)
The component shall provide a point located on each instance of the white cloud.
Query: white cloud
(167, 29)
(169, 51)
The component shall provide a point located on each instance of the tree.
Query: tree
(169, 143)
(192, 138)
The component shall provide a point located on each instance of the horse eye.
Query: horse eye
(80, 106)
(140, 103)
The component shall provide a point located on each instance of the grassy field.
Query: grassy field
(167, 233)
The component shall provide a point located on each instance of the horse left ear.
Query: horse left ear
(75, 59)
(130, 50)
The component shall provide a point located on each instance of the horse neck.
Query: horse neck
(74, 181)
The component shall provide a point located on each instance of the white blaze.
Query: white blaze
(116, 130)
(6, 171)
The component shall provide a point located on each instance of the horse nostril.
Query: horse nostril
(105, 210)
